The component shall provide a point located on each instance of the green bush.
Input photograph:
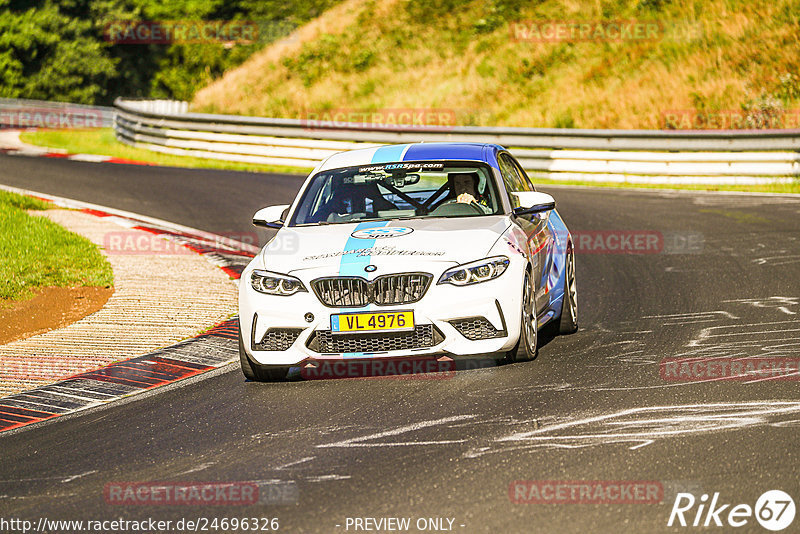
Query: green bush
(57, 51)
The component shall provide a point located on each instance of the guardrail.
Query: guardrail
(25, 113)
(636, 156)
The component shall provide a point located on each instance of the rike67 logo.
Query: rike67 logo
(774, 510)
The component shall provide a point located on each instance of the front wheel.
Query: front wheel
(568, 324)
(526, 347)
(258, 373)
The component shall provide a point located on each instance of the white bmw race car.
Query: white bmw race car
(401, 251)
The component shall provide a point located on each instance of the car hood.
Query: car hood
(391, 246)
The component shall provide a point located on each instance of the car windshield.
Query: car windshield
(399, 190)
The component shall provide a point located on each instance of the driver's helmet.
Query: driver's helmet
(477, 179)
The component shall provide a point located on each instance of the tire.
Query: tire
(526, 347)
(568, 322)
(258, 373)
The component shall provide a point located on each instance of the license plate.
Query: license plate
(345, 323)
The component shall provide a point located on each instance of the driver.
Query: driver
(465, 189)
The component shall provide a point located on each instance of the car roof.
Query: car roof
(483, 152)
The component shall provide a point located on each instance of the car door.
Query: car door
(534, 225)
(553, 240)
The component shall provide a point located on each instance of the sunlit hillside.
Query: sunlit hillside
(493, 62)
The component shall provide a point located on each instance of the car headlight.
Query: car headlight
(475, 272)
(275, 283)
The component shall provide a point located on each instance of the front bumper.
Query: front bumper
(281, 322)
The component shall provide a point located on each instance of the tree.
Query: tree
(47, 55)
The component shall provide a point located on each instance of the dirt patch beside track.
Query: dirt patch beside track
(50, 308)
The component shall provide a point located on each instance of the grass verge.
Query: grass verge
(38, 253)
(103, 142)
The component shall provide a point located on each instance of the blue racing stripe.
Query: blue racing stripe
(353, 265)
(388, 154)
(452, 151)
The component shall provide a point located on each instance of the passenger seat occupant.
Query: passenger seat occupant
(464, 187)
(352, 200)
(345, 201)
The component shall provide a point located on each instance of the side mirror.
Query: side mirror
(271, 217)
(533, 202)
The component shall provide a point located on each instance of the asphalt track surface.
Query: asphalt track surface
(593, 406)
